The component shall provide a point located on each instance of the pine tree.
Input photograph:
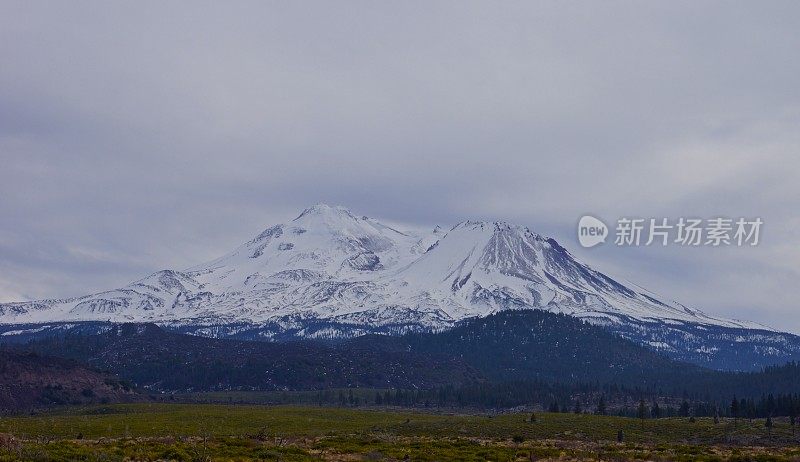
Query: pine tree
(554, 407)
(735, 410)
(601, 405)
(747, 408)
(684, 410)
(655, 411)
(768, 424)
(642, 411)
(770, 404)
(577, 409)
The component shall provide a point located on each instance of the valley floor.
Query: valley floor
(194, 432)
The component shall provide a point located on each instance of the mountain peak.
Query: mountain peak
(497, 227)
(331, 265)
(322, 209)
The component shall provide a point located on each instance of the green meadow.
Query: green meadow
(233, 432)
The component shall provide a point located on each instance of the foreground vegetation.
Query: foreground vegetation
(246, 432)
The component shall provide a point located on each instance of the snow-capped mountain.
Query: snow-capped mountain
(331, 273)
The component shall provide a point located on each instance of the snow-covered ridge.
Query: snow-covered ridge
(331, 264)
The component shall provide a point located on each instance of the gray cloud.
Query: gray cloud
(139, 136)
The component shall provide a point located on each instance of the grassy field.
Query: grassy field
(248, 432)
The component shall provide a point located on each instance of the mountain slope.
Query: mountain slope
(508, 346)
(546, 351)
(168, 361)
(29, 380)
(330, 273)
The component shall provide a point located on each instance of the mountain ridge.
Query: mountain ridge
(332, 273)
(541, 349)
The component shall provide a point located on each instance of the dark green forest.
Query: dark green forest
(525, 358)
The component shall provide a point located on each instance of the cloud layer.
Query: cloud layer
(141, 136)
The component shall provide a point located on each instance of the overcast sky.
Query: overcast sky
(137, 136)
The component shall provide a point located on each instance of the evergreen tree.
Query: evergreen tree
(655, 410)
(746, 408)
(601, 405)
(641, 412)
(577, 409)
(684, 410)
(768, 424)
